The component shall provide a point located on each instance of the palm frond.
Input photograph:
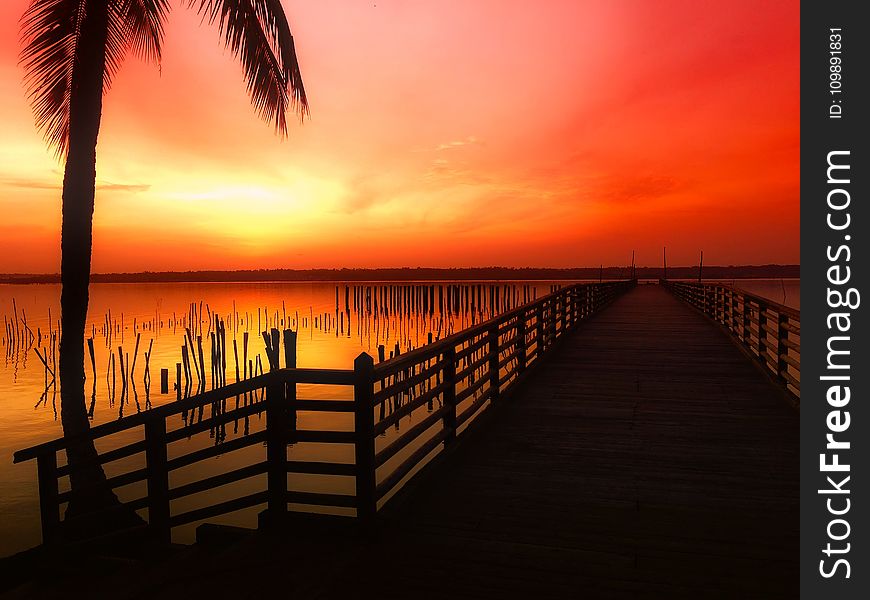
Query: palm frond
(51, 32)
(258, 33)
(145, 19)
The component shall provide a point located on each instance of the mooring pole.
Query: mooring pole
(665, 260)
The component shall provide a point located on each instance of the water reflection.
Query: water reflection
(195, 337)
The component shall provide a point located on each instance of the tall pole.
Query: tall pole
(665, 260)
(700, 266)
(632, 264)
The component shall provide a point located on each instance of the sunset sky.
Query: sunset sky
(442, 133)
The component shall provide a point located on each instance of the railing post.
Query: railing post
(449, 419)
(276, 449)
(726, 308)
(364, 445)
(762, 334)
(492, 346)
(554, 321)
(521, 341)
(539, 330)
(290, 384)
(49, 511)
(158, 479)
(715, 293)
(734, 311)
(781, 348)
(566, 310)
(566, 317)
(747, 320)
(554, 318)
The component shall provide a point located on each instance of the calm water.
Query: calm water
(146, 325)
(334, 321)
(784, 291)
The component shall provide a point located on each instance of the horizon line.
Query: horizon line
(773, 269)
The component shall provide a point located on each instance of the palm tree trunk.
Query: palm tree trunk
(88, 482)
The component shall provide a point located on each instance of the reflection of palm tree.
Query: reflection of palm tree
(72, 50)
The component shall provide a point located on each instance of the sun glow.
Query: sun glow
(436, 139)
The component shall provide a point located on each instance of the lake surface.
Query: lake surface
(783, 291)
(140, 329)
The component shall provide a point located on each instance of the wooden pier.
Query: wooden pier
(648, 459)
(642, 456)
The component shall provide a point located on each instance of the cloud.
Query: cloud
(133, 188)
(469, 141)
(27, 184)
(34, 184)
(365, 192)
(444, 172)
(635, 188)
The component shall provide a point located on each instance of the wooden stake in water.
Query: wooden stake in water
(93, 361)
(135, 353)
(147, 379)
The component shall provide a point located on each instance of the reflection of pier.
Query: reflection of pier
(642, 453)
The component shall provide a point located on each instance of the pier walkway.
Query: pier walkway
(647, 457)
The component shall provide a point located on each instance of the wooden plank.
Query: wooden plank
(409, 407)
(406, 384)
(221, 508)
(409, 436)
(217, 450)
(391, 480)
(315, 376)
(112, 483)
(105, 457)
(209, 483)
(316, 499)
(472, 367)
(210, 422)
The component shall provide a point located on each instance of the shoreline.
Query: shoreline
(420, 275)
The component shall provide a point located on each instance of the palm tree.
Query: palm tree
(72, 50)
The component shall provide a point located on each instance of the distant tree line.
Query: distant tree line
(424, 273)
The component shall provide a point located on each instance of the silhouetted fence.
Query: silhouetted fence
(439, 389)
(769, 331)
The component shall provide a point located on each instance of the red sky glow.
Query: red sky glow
(449, 133)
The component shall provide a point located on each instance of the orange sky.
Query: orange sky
(449, 133)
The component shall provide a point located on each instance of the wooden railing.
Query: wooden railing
(454, 378)
(769, 331)
(437, 389)
(150, 448)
